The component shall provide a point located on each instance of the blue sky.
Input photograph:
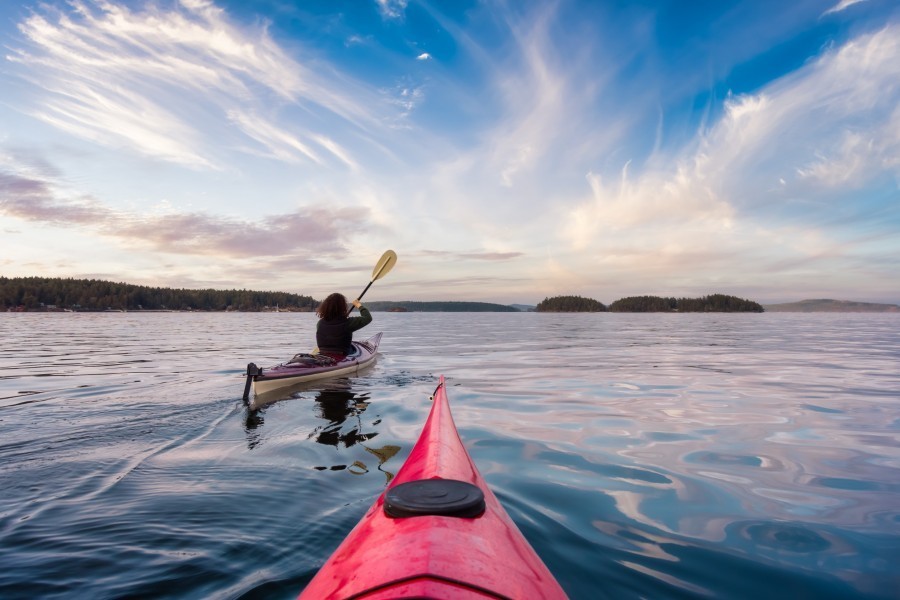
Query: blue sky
(507, 151)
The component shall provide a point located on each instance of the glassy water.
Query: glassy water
(643, 456)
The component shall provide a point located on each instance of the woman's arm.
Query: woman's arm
(364, 318)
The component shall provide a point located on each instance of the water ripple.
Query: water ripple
(643, 456)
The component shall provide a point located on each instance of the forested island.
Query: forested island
(711, 303)
(569, 304)
(58, 294)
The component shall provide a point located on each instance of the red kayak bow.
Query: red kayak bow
(436, 532)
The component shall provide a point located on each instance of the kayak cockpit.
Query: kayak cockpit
(438, 497)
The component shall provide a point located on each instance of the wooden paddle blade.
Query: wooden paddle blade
(385, 264)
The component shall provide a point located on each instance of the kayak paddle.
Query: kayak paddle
(382, 268)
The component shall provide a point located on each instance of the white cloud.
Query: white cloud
(545, 95)
(848, 160)
(392, 9)
(686, 196)
(840, 6)
(280, 143)
(831, 127)
(424, 56)
(407, 98)
(518, 159)
(337, 150)
(32, 199)
(160, 82)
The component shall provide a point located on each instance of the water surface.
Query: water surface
(643, 456)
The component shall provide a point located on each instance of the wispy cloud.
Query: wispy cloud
(392, 9)
(320, 231)
(406, 97)
(488, 256)
(33, 200)
(842, 5)
(160, 82)
(536, 118)
(491, 255)
(810, 137)
(281, 144)
(542, 93)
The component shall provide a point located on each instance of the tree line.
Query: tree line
(42, 293)
(711, 303)
(569, 304)
(447, 306)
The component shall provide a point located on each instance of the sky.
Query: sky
(508, 151)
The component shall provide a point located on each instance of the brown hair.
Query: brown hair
(332, 307)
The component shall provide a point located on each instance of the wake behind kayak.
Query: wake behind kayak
(436, 532)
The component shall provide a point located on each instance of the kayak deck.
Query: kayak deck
(290, 373)
(435, 555)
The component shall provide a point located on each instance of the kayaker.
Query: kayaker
(334, 332)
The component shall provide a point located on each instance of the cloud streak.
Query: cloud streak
(841, 6)
(323, 232)
(487, 256)
(832, 126)
(160, 82)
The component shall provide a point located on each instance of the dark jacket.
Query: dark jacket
(335, 335)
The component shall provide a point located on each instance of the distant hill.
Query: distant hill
(411, 306)
(523, 307)
(825, 305)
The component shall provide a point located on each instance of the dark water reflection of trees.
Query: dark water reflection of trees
(341, 408)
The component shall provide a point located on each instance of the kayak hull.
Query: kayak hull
(435, 556)
(285, 375)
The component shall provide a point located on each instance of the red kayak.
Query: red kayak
(436, 532)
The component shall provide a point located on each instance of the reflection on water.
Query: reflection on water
(337, 406)
(341, 407)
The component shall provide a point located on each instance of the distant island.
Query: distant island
(65, 294)
(825, 305)
(711, 303)
(569, 304)
(524, 307)
(449, 306)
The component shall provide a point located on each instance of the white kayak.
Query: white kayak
(303, 368)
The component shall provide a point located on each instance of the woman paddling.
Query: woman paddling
(334, 332)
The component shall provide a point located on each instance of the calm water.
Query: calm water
(653, 456)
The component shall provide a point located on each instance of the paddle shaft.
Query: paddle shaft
(360, 296)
